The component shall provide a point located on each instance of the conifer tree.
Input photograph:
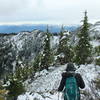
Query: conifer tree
(60, 40)
(83, 48)
(37, 63)
(61, 31)
(64, 48)
(47, 56)
(15, 88)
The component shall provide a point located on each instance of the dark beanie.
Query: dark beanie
(70, 67)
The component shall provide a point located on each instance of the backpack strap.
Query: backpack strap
(73, 73)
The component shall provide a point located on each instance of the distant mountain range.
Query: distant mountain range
(42, 27)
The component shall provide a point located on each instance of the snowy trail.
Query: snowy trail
(43, 88)
(48, 81)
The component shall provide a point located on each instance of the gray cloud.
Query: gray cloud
(48, 11)
(9, 7)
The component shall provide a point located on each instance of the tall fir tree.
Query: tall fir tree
(62, 31)
(60, 40)
(83, 48)
(37, 62)
(47, 55)
(15, 87)
(64, 48)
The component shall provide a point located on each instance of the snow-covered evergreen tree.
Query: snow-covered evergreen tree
(15, 87)
(64, 49)
(47, 55)
(60, 40)
(37, 63)
(83, 48)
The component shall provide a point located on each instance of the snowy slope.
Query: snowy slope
(45, 85)
(48, 82)
(20, 49)
(26, 37)
(95, 30)
(95, 43)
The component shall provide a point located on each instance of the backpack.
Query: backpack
(71, 91)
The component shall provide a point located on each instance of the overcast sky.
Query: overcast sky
(48, 11)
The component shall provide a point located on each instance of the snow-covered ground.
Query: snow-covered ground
(44, 87)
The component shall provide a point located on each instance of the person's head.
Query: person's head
(70, 67)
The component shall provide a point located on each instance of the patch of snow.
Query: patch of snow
(63, 37)
(61, 55)
(43, 72)
(95, 43)
(51, 68)
(97, 57)
(45, 87)
(54, 41)
(66, 33)
(7, 84)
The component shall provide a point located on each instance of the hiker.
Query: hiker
(70, 83)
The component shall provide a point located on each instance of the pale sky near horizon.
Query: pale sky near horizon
(48, 11)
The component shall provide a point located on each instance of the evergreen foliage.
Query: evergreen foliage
(37, 63)
(62, 42)
(16, 80)
(97, 50)
(23, 73)
(83, 48)
(3, 91)
(47, 55)
(97, 83)
(97, 61)
(61, 31)
(5, 54)
(64, 48)
(15, 88)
